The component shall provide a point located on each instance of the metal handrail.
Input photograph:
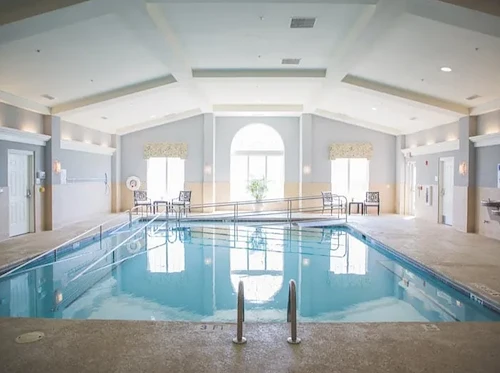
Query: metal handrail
(239, 339)
(236, 215)
(114, 249)
(291, 315)
(66, 243)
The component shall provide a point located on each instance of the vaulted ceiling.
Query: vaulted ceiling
(123, 65)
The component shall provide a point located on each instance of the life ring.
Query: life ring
(134, 247)
(133, 183)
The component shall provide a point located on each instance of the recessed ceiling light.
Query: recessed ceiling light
(374, 108)
(104, 118)
(153, 116)
(48, 97)
(413, 118)
(446, 69)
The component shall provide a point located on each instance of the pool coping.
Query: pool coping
(480, 299)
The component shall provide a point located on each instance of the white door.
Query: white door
(446, 185)
(19, 193)
(411, 186)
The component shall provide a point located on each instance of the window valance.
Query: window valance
(351, 150)
(165, 149)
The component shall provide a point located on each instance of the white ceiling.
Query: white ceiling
(132, 61)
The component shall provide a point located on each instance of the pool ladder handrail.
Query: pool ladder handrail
(239, 339)
(291, 316)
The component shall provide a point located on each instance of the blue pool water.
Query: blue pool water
(192, 274)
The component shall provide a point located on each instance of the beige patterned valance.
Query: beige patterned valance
(166, 149)
(351, 150)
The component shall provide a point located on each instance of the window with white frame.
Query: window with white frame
(350, 177)
(257, 152)
(165, 178)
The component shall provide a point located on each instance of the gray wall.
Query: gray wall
(488, 123)
(227, 127)
(13, 117)
(85, 166)
(6, 145)
(327, 131)
(188, 130)
(426, 174)
(71, 131)
(487, 160)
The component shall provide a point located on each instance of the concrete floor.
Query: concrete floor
(19, 249)
(143, 346)
(132, 346)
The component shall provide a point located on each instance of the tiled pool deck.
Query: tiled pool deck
(142, 346)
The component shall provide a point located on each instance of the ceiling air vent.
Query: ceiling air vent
(48, 97)
(302, 22)
(290, 61)
(473, 97)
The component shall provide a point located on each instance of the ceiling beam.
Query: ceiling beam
(258, 108)
(259, 73)
(457, 16)
(429, 102)
(11, 12)
(149, 23)
(114, 94)
(370, 26)
(158, 122)
(486, 108)
(61, 18)
(484, 6)
(356, 122)
(23, 103)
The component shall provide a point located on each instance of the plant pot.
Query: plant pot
(258, 206)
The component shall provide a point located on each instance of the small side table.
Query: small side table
(358, 205)
(156, 205)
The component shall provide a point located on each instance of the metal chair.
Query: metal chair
(141, 199)
(184, 200)
(330, 201)
(372, 200)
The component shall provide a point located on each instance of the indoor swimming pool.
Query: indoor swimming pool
(191, 273)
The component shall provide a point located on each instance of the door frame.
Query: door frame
(31, 183)
(440, 184)
(407, 190)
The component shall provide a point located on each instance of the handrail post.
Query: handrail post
(130, 218)
(240, 316)
(292, 313)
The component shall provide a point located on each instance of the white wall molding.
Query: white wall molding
(486, 140)
(438, 147)
(15, 135)
(86, 147)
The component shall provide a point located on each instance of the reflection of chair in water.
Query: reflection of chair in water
(183, 234)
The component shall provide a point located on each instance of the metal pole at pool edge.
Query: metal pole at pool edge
(239, 339)
(292, 313)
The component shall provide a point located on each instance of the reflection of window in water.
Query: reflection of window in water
(347, 255)
(165, 257)
(257, 259)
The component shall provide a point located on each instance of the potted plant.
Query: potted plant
(258, 189)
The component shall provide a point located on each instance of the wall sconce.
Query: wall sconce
(306, 170)
(462, 168)
(56, 167)
(208, 169)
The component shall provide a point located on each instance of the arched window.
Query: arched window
(257, 152)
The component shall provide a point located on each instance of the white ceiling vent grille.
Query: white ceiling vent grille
(290, 61)
(48, 97)
(473, 97)
(302, 22)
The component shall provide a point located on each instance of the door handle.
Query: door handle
(28, 193)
